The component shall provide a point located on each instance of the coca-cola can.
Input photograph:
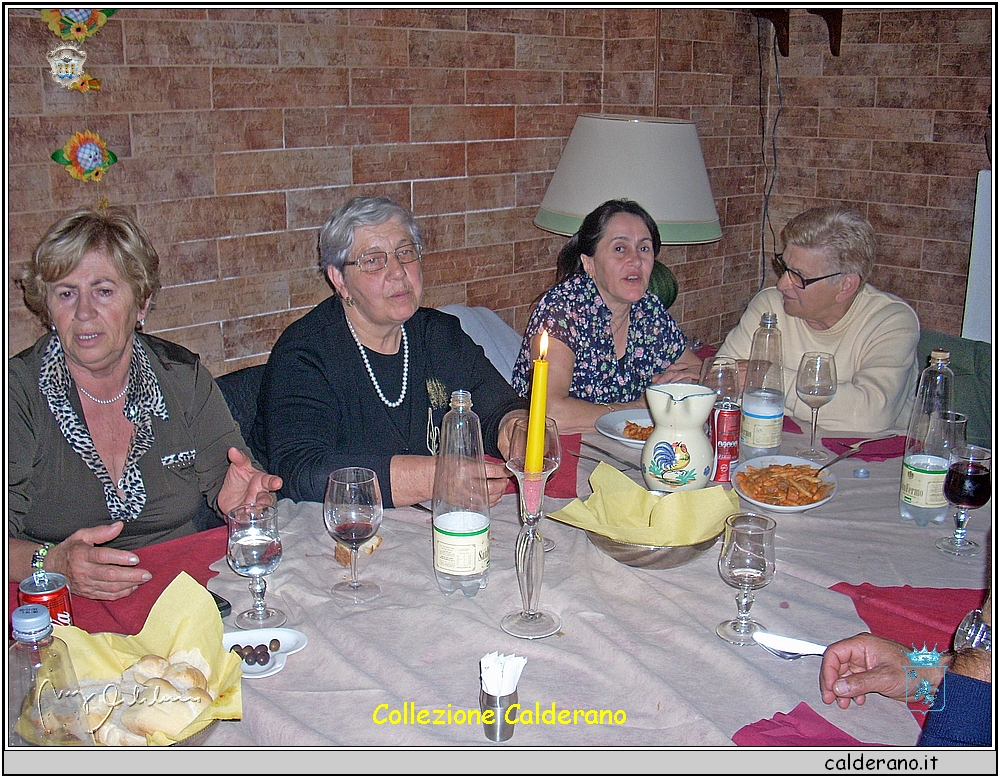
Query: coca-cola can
(724, 433)
(51, 591)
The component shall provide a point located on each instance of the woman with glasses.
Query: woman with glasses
(610, 337)
(823, 303)
(365, 378)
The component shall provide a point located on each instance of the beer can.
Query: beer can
(51, 591)
(724, 433)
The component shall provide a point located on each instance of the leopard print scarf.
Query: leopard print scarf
(143, 401)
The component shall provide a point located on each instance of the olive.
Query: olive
(274, 645)
(237, 648)
(250, 659)
(260, 648)
(263, 657)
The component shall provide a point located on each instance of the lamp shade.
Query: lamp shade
(656, 162)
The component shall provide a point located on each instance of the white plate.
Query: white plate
(291, 641)
(760, 462)
(612, 425)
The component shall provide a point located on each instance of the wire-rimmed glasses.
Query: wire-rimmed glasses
(373, 261)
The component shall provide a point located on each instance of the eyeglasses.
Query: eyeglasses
(374, 261)
(780, 268)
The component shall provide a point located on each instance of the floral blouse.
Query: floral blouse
(574, 313)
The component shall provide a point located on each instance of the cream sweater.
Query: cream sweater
(874, 346)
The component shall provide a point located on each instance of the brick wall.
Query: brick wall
(239, 130)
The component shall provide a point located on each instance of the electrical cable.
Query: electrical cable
(770, 173)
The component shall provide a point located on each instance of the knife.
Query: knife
(610, 456)
(781, 643)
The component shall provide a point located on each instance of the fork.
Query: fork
(854, 448)
(788, 654)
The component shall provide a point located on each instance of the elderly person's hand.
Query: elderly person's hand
(865, 664)
(497, 479)
(246, 484)
(93, 571)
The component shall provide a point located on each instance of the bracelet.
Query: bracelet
(608, 406)
(38, 558)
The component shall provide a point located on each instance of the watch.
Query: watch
(973, 633)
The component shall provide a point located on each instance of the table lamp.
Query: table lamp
(656, 162)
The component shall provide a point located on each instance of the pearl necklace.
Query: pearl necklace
(371, 373)
(114, 399)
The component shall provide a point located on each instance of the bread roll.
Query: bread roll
(343, 554)
(150, 666)
(158, 708)
(192, 656)
(111, 734)
(183, 676)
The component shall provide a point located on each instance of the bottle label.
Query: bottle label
(461, 543)
(922, 484)
(757, 432)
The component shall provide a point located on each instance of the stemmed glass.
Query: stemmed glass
(352, 512)
(816, 384)
(720, 375)
(254, 551)
(746, 562)
(967, 485)
(529, 556)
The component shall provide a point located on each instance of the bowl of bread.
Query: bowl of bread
(165, 685)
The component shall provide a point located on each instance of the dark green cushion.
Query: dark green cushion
(663, 284)
(972, 364)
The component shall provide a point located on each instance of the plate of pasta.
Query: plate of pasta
(784, 484)
(628, 427)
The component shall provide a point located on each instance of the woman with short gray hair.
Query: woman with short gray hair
(365, 378)
(823, 303)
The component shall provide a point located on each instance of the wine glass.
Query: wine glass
(529, 556)
(746, 562)
(967, 485)
(352, 512)
(254, 551)
(816, 384)
(720, 375)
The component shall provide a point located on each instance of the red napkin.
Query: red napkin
(562, 483)
(191, 554)
(876, 451)
(790, 425)
(912, 616)
(801, 726)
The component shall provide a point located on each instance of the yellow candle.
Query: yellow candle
(534, 449)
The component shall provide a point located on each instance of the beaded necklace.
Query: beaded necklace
(114, 399)
(371, 373)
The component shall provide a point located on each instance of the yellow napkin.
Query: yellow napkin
(184, 617)
(622, 510)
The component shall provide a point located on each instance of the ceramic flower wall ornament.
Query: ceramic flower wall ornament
(66, 68)
(76, 24)
(85, 156)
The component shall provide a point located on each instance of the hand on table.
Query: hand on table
(96, 572)
(865, 664)
(246, 484)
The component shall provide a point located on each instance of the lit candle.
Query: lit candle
(534, 449)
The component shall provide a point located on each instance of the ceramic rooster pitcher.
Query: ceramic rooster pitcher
(678, 455)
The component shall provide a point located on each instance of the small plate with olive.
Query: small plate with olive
(264, 650)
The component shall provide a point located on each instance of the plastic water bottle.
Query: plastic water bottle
(461, 505)
(763, 403)
(933, 431)
(44, 704)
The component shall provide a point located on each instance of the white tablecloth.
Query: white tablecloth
(637, 641)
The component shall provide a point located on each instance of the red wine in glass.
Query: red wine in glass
(353, 533)
(967, 484)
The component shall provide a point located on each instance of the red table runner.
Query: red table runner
(192, 554)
